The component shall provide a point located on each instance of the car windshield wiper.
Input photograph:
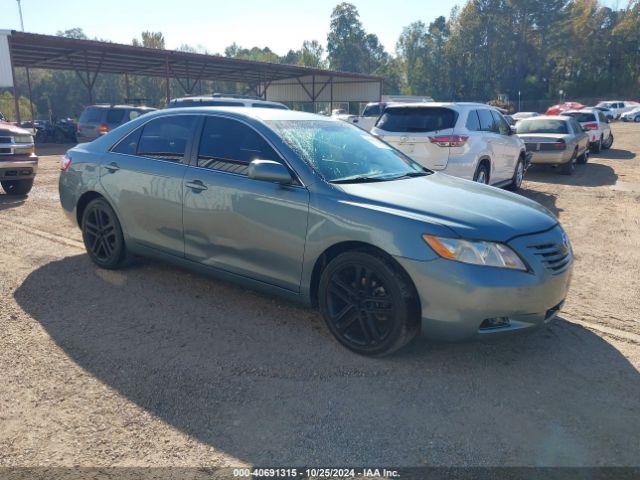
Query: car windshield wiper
(358, 179)
(409, 175)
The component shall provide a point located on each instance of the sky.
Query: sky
(213, 25)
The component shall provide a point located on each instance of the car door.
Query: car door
(604, 125)
(249, 227)
(511, 143)
(498, 147)
(143, 176)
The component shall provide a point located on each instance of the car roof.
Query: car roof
(137, 107)
(440, 104)
(545, 117)
(210, 98)
(582, 110)
(262, 114)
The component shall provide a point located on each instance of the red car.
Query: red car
(563, 107)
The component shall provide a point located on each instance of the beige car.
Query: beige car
(555, 140)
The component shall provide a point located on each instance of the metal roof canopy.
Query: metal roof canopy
(88, 58)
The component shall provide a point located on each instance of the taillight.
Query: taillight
(591, 126)
(65, 161)
(103, 128)
(449, 140)
(559, 145)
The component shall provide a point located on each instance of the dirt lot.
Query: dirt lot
(155, 366)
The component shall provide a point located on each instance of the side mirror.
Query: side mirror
(269, 171)
(513, 130)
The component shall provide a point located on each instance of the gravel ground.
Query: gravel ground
(157, 366)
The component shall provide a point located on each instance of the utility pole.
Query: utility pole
(27, 70)
(20, 11)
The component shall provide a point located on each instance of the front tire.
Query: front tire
(597, 147)
(607, 145)
(584, 158)
(102, 235)
(482, 174)
(518, 175)
(368, 303)
(17, 187)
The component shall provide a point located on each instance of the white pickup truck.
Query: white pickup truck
(618, 107)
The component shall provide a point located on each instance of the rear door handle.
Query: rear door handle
(196, 185)
(112, 167)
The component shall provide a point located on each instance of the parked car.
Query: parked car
(466, 140)
(222, 100)
(320, 211)
(18, 160)
(97, 120)
(563, 107)
(597, 126)
(555, 140)
(510, 120)
(631, 115)
(61, 131)
(369, 116)
(608, 113)
(2, 117)
(522, 115)
(618, 107)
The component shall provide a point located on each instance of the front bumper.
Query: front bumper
(18, 168)
(457, 299)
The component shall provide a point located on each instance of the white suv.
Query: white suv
(595, 123)
(618, 107)
(467, 140)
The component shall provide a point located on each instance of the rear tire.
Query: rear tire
(607, 145)
(597, 147)
(17, 187)
(637, 119)
(102, 235)
(584, 158)
(368, 303)
(482, 174)
(569, 167)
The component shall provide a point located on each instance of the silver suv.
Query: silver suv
(467, 140)
(219, 100)
(96, 120)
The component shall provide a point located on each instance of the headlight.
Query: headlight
(23, 139)
(490, 254)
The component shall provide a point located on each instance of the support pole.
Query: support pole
(30, 97)
(166, 79)
(127, 87)
(331, 97)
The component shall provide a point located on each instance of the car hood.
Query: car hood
(9, 129)
(469, 209)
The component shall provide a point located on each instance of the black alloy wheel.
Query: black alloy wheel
(368, 304)
(102, 235)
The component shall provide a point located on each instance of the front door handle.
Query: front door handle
(196, 185)
(112, 167)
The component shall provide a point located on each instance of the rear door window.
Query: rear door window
(229, 146)
(372, 111)
(582, 116)
(487, 122)
(129, 144)
(91, 115)
(417, 119)
(166, 138)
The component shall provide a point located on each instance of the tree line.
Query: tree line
(486, 47)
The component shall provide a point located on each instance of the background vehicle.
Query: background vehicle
(221, 100)
(369, 116)
(618, 107)
(18, 161)
(563, 107)
(467, 140)
(96, 120)
(387, 248)
(608, 113)
(60, 131)
(631, 115)
(597, 126)
(2, 117)
(555, 140)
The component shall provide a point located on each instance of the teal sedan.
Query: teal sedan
(320, 211)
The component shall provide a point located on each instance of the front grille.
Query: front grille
(5, 151)
(556, 257)
(5, 139)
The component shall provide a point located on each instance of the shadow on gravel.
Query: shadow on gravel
(588, 175)
(262, 380)
(615, 154)
(548, 200)
(11, 201)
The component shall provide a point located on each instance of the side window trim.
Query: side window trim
(199, 130)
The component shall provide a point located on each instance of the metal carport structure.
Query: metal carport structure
(272, 81)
